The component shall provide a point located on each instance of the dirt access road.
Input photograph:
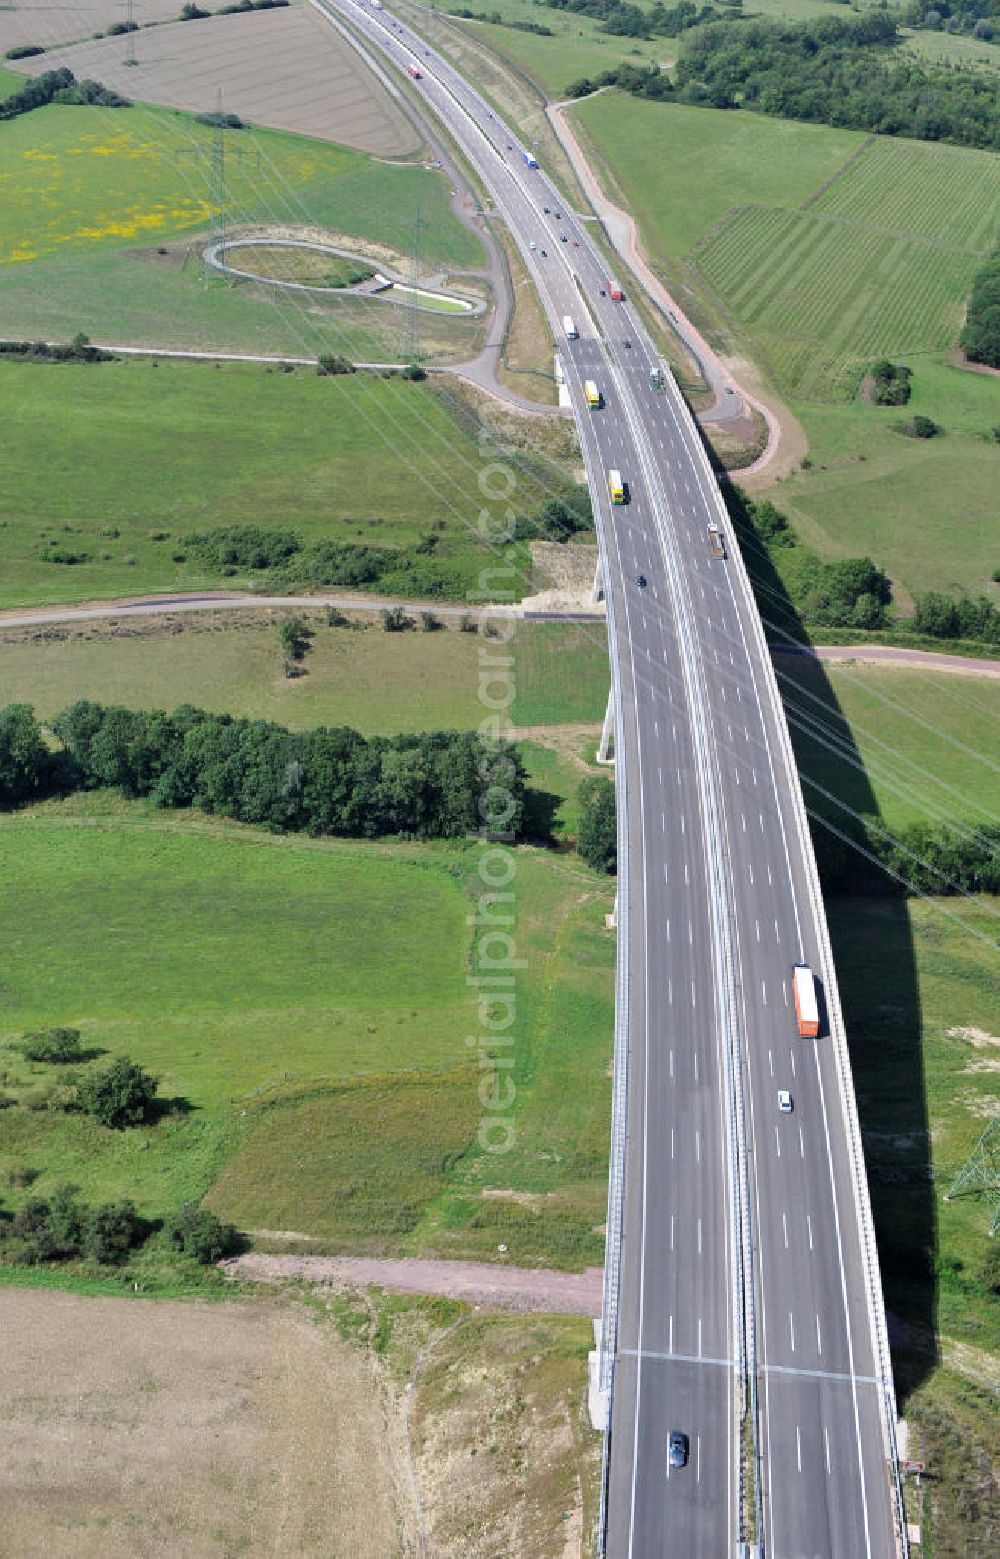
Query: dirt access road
(523, 1289)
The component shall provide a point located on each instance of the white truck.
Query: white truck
(568, 326)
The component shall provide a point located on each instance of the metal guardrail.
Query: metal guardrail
(838, 1034)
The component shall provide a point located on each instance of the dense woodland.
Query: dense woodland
(59, 86)
(441, 784)
(980, 339)
(848, 73)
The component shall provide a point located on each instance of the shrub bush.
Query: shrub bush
(120, 1095)
(200, 1234)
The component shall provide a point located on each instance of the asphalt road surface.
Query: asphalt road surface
(746, 1232)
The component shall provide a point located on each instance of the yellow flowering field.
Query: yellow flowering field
(74, 179)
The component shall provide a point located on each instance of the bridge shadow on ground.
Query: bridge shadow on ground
(876, 968)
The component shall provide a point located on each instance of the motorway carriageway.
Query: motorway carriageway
(745, 1232)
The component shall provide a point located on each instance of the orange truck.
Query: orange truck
(806, 1005)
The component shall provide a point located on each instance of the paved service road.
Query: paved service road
(746, 1234)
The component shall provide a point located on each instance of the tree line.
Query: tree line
(59, 86)
(844, 73)
(330, 780)
(980, 338)
(963, 617)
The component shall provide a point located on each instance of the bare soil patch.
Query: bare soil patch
(44, 24)
(286, 69)
(166, 1428)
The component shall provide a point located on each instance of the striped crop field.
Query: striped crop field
(945, 193)
(822, 297)
(878, 262)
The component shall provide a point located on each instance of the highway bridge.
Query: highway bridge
(743, 1302)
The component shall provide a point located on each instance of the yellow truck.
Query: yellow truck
(592, 393)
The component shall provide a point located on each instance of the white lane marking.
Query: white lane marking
(777, 1141)
(784, 1228)
(770, 1062)
(730, 730)
(754, 773)
(687, 877)
(798, 1446)
(690, 935)
(699, 1244)
(769, 876)
(656, 727)
(739, 692)
(757, 929)
(659, 775)
(792, 1054)
(826, 1441)
(809, 1230)
(777, 933)
(671, 1231)
(761, 816)
(696, 1066)
(750, 870)
(802, 1145)
(699, 1337)
(698, 1460)
(683, 828)
(743, 820)
(663, 822)
(723, 692)
(791, 1329)
(672, 1154)
(697, 1146)
(819, 1337)
(670, 1338)
(670, 991)
(785, 990)
(671, 1065)
(666, 872)
(763, 991)
(668, 928)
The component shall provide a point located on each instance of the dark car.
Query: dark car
(626, 342)
(565, 239)
(604, 292)
(545, 209)
(678, 1448)
(640, 580)
(543, 253)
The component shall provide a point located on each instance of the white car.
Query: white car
(784, 1101)
(532, 246)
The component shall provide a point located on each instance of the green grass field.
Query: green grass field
(137, 450)
(377, 682)
(138, 176)
(274, 976)
(926, 740)
(683, 169)
(578, 48)
(89, 200)
(925, 510)
(815, 262)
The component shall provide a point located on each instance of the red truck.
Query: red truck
(615, 292)
(412, 70)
